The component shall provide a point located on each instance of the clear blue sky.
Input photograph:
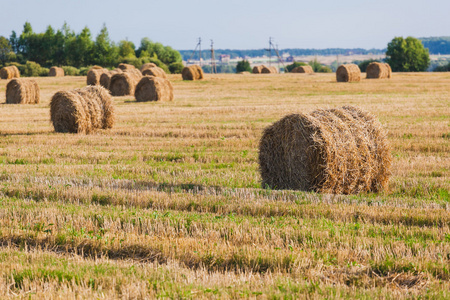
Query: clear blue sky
(238, 24)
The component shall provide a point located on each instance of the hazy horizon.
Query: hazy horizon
(242, 25)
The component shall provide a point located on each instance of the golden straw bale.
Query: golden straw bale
(96, 67)
(338, 151)
(9, 72)
(23, 91)
(377, 70)
(123, 84)
(269, 70)
(93, 76)
(389, 70)
(147, 66)
(56, 72)
(105, 78)
(155, 71)
(257, 69)
(303, 69)
(193, 72)
(152, 88)
(125, 67)
(82, 110)
(348, 73)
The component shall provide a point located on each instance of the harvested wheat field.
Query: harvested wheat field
(168, 203)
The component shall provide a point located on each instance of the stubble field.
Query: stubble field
(168, 203)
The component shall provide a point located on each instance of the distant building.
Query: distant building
(224, 58)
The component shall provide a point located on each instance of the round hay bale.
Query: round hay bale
(105, 78)
(389, 70)
(96, 67)
(155, 71)
(9, 72)
(193, 72)
(348, 73)
(82, 110)
(23, 91)
(269, 70)
(151, 88)
(257, 69)
(376, 70)
(56, 72)
(337, 151)
(123, 84)
(303, 69)
(93, 76)
(147, 66)
(125, 67)
(244, 73)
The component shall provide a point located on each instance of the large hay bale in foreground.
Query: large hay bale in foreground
(125, 67)
(56, 72)
(257, 69)
(155, 71)
(123, 84)
(337, 151)
(93, 76)
(82, 110)
(23, 91)
(303, 69)
(151, 88)
(105, 78)
(147, 66)
(348, 73)
(193, 72)
(9, 72)
(376, 70)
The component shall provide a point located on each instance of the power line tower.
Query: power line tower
(213, 59)
(272, 46)
(199, 47)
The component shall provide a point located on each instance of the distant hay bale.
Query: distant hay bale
(389, 70)
(23, 91)
(193, 72)
(155, 71)
(82, 110)
(123, 84)
(147, 66)
(56, 72)
(96, 67)
(338, 151)
(9, 72)
(105, 78)
(269, 70)
(125, 67)
(348, 73)
(93, 76)
(303, 69)
(257, 69)
(378, 70)
(244, 73)
(151, 88)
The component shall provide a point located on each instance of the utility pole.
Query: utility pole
(200, 51)
(213, 59)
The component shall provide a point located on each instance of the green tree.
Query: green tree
(105, 52)
(243, 66)
(126, 49)
(80, 49)
(5, 50)
(407, 55)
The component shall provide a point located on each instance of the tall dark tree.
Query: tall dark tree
(105, 52)
(5, 49)
(243, 66)
(407, 55)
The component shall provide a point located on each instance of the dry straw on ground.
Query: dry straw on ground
(123, 84)
(9, 72)
(378, 70)
(303, 69)
(244, 73)
(94, 74)
(56, 72)
(147, 66)
(105, 78)
(348, 73)
(336, 151)
(193, 72)
(82, 110)
(125, 67)
(23, 91)
(151, 88)
(155, 71)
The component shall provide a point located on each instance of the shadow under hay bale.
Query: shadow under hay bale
(23, 91)
(303, 69)
(56, 72)
(9, 72)
(147, 66)
(155, 71)
(151, 88)
(336, 151)
(105, 78)
(123, 84)
(93, 76)
(125, 67)
(82, 110)
(348, 73)
(376, 70)
(193, 72)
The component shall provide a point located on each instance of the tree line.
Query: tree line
(63, 47)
